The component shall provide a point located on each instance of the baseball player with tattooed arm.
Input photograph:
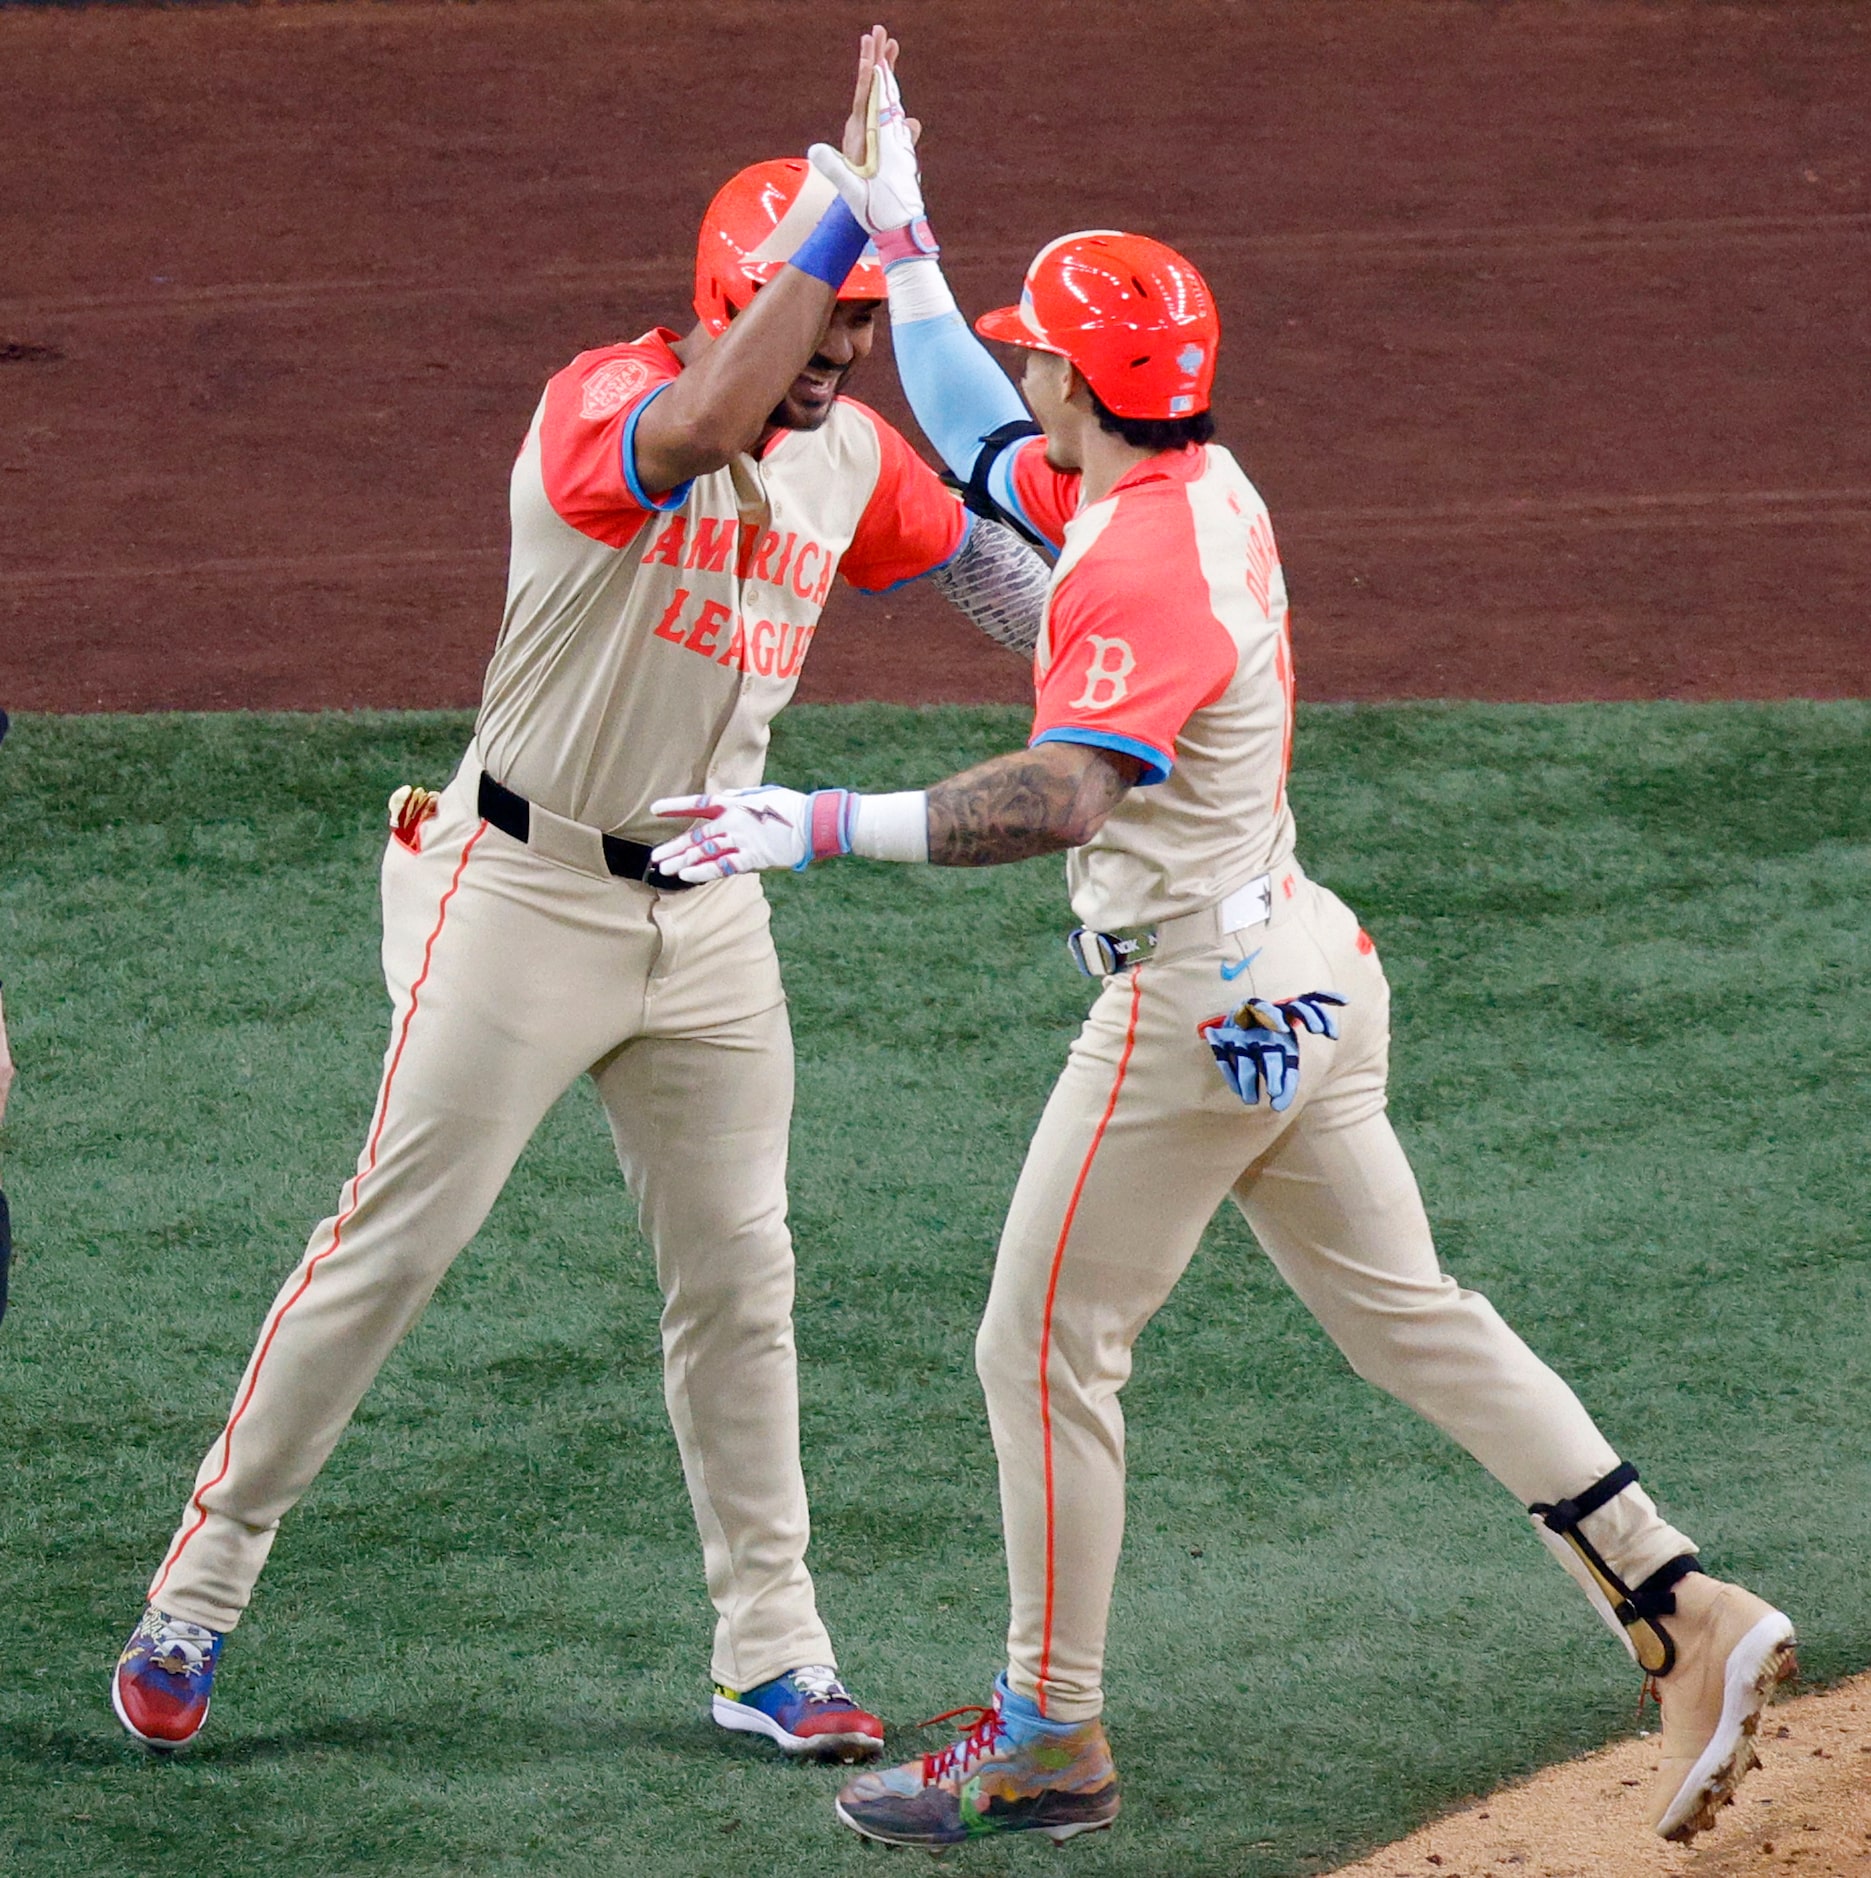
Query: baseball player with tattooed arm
(679, 508)
(1237, 1046)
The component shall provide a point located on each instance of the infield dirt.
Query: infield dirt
(1807, 1812)
(1544, 322)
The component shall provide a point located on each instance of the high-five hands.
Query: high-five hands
(876, 172)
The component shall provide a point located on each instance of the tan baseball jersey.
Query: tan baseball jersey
(650, 638)
(1166, 637)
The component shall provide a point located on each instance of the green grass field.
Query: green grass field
(1631, 947)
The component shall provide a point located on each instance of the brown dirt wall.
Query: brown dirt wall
(1546, 320)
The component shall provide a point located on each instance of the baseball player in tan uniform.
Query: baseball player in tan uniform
(1237, 1048)
(679, 509)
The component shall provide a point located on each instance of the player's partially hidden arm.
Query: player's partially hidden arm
(719, 405)
(912, 528)
(960, 396)
(1035, 801)
(998, 583)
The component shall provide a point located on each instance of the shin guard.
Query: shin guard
(1635, 1614)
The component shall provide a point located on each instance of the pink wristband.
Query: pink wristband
(915, 241)
(830, 829)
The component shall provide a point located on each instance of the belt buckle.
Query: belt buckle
(1246, 906)
(1099, 954)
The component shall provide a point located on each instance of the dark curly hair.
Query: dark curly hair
(1154, 433)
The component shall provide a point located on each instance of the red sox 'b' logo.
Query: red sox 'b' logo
(1106, 677)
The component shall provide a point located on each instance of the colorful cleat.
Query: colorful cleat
(1012, 1772)
(163, 1680)
(808, 1711)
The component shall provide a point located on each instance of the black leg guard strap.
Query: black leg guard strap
(1565, 1515)
(1656, 1596)
(1640, 1610)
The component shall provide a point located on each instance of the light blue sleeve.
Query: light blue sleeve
(953, 385)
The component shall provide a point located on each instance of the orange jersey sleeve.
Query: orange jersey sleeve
(1135, 647)
(1048, 497)
(912, 523)
(587, 434)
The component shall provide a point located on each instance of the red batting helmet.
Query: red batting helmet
(750, 231)
(1136, 319)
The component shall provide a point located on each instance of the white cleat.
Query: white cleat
(1732, 1648)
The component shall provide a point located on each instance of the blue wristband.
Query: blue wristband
(831, 251)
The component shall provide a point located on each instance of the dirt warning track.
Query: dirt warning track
(1545, 323)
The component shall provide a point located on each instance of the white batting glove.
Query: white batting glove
(741, 831)
(885, 191)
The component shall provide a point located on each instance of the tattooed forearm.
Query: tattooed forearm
(1028, 802)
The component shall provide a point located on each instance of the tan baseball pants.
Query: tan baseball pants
(511, 975)
(1140, 1143)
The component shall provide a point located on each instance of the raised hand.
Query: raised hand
(876, 51)
(876, 171)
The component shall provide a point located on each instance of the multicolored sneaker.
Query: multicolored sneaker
(1012, 1772)
(808, 1711)
(163, 1680)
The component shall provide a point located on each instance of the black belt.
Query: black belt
(628, 860)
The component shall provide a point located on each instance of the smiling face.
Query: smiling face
(847, 338)
(1046, 382)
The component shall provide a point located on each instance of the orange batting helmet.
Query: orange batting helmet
(1136, 319)
(751, 229)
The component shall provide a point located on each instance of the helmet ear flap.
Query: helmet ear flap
(707, 295)
(712, 305)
